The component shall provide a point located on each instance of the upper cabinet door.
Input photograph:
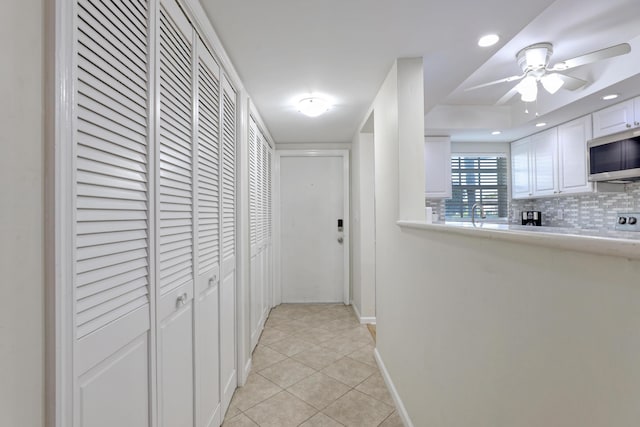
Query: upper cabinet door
(437, 167)
(616, 118)
(545, 157)
(572, 156)
(521, 169)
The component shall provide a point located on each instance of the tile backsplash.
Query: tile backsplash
(597, 210)
(594, 210)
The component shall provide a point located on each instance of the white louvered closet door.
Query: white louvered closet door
(175, 223)
(112, 246)
(269, 247)
(260, 154)
(228, 372)
(253, 179)
(254, 208)
(265, 238)
(208, 408)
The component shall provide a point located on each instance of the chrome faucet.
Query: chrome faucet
(483, 214)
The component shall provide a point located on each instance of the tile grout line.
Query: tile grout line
(317, 345)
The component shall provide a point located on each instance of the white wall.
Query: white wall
(483, 333)
(21, 215)
(363, 239)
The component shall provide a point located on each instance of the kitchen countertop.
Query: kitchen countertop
(602, 242)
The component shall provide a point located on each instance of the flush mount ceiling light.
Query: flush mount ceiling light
(313, 107)
(610, 97)
(496, 132)
(488, 40)
(541, 124)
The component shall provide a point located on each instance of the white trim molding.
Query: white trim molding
(363, 320)
(277, 289)
(402, 411)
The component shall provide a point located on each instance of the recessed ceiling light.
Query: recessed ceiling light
(610, 97)
(539, 125)
(313, 107)
(496, 132)
(488, 40)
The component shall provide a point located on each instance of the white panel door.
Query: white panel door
(544, 146)
(521, 185)
(311, 203)
(437, 167)
(176, 223)
(112, 280)
(617, 118)
(228, 371)
(572, 156)
(207, 336)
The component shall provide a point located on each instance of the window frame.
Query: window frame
(507, 177)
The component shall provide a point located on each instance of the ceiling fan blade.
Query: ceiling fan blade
(598, 55)
(572, 83)
(507, 96)
(505, 80)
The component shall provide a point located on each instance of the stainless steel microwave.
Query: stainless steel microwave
(615, 158)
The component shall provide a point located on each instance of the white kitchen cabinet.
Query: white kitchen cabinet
(544, 160)
(521, 187)
(554, 162)
(572, 156)
(617, 118)
(437, 167)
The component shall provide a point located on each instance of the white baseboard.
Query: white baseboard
(402, 411)
(363, 320)
(247, 371)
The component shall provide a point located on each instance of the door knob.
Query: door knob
(340, 239)
(182, 300)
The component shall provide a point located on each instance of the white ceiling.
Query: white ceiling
(286, 49)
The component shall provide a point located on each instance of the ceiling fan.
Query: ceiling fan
(534, 62)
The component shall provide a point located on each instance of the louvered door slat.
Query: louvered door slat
(111, 242)
(259, 189)
(264, 190)
(124, 38)
(125, 20)
(106, 96)
(253, 191)
(103, 139)
(228, 173)
(109, 47)
(131, 13)
(208, 165)
(100, 69)
(175, 159)
(99, 287)
(136, 9)
(269, 184)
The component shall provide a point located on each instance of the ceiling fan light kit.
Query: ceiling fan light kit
(528, 89)
(552, 82)
(534, 62)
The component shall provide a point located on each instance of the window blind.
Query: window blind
(478, 179)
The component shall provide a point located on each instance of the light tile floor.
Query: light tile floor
(313, 367)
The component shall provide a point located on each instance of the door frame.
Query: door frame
(277, 243)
